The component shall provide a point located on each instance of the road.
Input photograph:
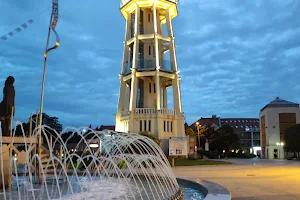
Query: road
(251, 179)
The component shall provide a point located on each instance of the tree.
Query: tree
(224, 138)
(52, 122)
(189, 131)
(292, 139)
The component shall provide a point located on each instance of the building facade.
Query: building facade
(247, 129)
(275, 118)
(149, 70)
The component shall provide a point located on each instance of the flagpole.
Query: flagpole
(44, 73)
(42, 98)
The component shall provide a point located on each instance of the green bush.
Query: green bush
(239, 155)
(209, 154)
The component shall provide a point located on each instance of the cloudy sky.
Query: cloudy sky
(234, 56)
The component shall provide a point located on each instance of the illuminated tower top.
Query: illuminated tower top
(127, 6)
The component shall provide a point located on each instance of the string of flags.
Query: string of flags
(17, 30)
(21, 27)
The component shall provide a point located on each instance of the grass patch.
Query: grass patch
(198, 162)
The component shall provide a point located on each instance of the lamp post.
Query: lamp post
(197, 124)
(279, 144)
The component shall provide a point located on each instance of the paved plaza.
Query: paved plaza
(251, 179)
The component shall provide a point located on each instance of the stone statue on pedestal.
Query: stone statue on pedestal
(7, 104)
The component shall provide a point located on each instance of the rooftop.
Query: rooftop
(279, 103)
(124, 2)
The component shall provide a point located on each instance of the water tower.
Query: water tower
(149, 70)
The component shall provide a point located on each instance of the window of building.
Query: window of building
(230, 121)
(149, 17)
(149, 50)
(154, 52)
(243, 120)
(226, 121)
(164, 126)
(171, 126)
(149, 125)
(168, 126)
(236, 126)
(231, 126)
(154, 89)
(242, 126)
(239, 120)
(250, 126)
(234, 121)
(246, 120)
(141, 125)
(145, 125)
(150, 87)
(250, 120)
(255, 126)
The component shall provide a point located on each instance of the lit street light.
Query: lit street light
(197, 124)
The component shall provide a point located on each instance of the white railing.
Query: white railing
(145, 111)
(152, 111)
(165, 111)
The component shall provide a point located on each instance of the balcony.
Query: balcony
(149, 65)
(153, 111)
(124, 2)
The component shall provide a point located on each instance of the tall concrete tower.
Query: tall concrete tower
(149, 69)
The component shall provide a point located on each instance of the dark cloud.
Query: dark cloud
(233, 57)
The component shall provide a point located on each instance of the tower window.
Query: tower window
(141, 125)
(171, 122)
(149, 17)
(149, 125)
(154, 88)
(150, 87)
(145, 125)
(164, 126)
(154, 52)
(149, 50)
(168, 126)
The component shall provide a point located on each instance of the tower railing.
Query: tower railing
(149, 64)
(152, 111)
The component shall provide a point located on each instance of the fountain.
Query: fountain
(101, 164)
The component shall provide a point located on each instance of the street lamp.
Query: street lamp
(197, 124)
(279, 144)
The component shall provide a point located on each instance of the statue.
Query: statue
(7, 104)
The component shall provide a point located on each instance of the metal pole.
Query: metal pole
(44, 73)
(198, 136)
(43, 92)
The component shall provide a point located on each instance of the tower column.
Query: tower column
(176, 94)
(157, 79)
(165, 98)
(122, 95)
(171, 43)
(126, 47)
(133, 91)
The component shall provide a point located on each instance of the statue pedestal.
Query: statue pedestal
(5, 163)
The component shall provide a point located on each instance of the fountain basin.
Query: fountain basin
(196, 189)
